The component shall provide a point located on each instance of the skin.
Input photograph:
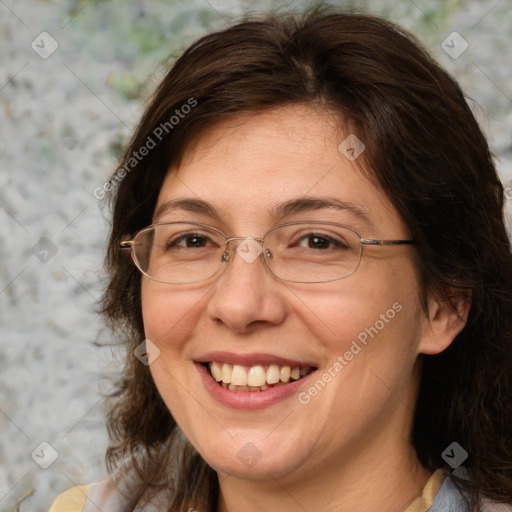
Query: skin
(348, 448)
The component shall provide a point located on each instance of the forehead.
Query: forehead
(247, 166)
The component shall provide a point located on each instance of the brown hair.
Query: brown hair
(426, 151)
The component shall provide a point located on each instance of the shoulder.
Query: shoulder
(492, 506)
(72, 500)
(108, 495)
(450, 499)
(88, 498)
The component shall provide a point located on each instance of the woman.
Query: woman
(320, 312)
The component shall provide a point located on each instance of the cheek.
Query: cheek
(352, 309)
(369, 338)
(168, 313)
(169, 316)
(371, 320)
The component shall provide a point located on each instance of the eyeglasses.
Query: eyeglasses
(300, 252)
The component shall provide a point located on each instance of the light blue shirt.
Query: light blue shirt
(449, 499)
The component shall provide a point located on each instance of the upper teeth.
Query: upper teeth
(255, 376)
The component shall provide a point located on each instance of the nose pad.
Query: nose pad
(226, 256)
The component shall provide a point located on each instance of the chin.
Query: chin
(253, 460)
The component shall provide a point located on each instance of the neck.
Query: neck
(387, 486)
(378, 471)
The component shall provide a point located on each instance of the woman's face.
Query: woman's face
(360, 335)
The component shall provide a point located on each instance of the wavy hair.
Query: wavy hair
(425, 150)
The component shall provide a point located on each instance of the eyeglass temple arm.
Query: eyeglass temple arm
(370, 241)
(126, 243)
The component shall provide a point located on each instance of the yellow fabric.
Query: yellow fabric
(72, 500)
(424, 502)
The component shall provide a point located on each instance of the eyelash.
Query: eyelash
(330, 240)
(174, 242)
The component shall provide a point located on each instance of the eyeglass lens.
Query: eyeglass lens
(300, 252)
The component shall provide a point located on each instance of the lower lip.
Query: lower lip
(249, 400)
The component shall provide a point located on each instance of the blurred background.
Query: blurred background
(74, 76)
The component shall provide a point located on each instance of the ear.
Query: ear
(446, 317)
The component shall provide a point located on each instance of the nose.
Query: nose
(246, 294)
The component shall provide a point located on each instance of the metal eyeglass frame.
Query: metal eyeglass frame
(226, 255)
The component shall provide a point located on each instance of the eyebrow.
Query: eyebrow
(191, 205)
(308, 203)
(280, 210)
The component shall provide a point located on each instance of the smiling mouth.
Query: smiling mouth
(255, 378)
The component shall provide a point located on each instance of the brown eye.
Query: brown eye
(189, 240)
(320, 242)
